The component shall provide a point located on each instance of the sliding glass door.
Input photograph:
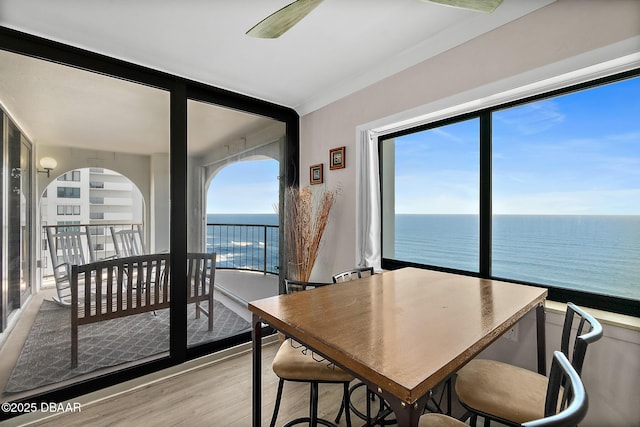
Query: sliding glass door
(233, 195)
(110, 142)
(102, 128)
(16, 201)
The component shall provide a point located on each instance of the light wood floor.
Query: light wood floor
(214, 395)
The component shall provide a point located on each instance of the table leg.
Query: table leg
(542, 346)
(257, 369)
(407, 415)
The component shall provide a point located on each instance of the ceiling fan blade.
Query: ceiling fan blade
(276, 24)
(486, 6)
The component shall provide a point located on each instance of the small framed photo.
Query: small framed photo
(336, 158)
(315, 174)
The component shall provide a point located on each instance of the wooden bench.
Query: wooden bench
(121, 287)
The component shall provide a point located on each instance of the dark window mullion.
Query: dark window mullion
(485, 194)
(178, 221)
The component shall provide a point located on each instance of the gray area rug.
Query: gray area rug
(46, 356)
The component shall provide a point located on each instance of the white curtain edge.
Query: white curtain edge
(368, 221)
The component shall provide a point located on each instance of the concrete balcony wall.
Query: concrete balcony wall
(106, 185)
(118, 201)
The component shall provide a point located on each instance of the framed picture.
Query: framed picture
(336, 158)
(315, 174)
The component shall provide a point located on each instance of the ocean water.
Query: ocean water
(266, 219)
(592, 253)
(241, 241)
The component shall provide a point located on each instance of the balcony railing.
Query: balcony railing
(100, 234)
(251, 247)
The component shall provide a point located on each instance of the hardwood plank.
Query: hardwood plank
(215, 395)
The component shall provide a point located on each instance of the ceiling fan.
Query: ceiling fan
(276, 24)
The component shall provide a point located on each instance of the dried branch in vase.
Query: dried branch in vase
(307, 213)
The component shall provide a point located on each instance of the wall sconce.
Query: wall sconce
(48, 164)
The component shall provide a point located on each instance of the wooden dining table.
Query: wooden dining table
(401, 332)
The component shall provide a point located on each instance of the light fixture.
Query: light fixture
(48, 164)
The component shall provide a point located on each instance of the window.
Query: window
(68, 209)
(71, 223)
(563, 205)
(435, 195)
(566, 190)
(70, 176)
(69, 192)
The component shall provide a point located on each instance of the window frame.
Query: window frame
(609, 303)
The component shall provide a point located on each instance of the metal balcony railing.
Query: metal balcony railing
(100, 236)
(251, 247)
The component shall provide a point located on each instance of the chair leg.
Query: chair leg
(312, 419)
(337, 419)
(276, 408)
(313, 405)
(474, 419)
(344, 406)
(368, 398)
(487, 422)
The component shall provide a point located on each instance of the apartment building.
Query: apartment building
(90, 196)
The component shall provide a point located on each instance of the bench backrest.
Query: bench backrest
(121, 287)
(111, 288)
(201, 269)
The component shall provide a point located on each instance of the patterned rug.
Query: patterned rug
(46, 356)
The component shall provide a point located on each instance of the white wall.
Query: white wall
(564, 37)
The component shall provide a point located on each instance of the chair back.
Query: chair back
(589, 330)
(292, 286)
(70, 245)
(353, 274)
(128, 242)
(566, 402)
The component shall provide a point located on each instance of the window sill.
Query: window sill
(606, 317)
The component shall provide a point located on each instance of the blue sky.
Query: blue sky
(575, 154)
(245, 187)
